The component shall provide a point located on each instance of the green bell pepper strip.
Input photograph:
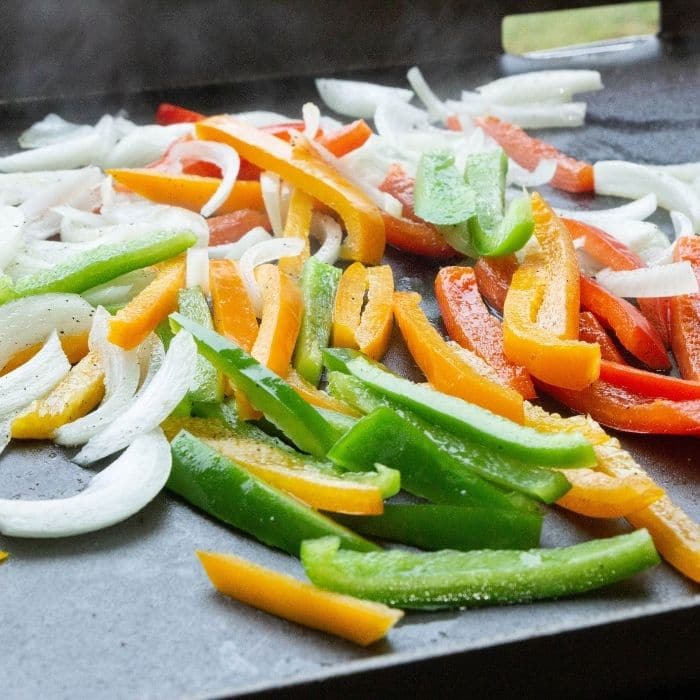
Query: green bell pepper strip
(466, 420)
(104, 263)
(434, 527)
(7, 288)
(230, 493)
(319, 283)
(297, 419)
(535, 482)
(448, 578)
(340, 421)
(208, 383)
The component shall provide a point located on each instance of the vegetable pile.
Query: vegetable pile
(206, 297)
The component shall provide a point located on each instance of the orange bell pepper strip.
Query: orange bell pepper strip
(571, 175)
(450, 368)
(590, 330)
(131, 324)
(643, 383)
(318, 397)
(75, 347)
(493, 277)
(301, 167)
(359, 621)
(346, 139)
(281, 318)
(232, 310)
(628, 323)
(298, 225)
(685, 314)
(608, 251)
(79, 392)
(231, 227)
(540, 314)
(188, 191)
(470, 324)
(369, 330)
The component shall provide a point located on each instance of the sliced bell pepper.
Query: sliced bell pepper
(434, 527)
(446, 368)
(75, 347)
(449, 579)
(630, 326)
(358, 620)
(685, 314)
(493, 277)
(347, 310)
(3, 556)
(298, 225)
(105, 262)
(571, 175)
(590, 330)
(174, 114)
(469, 323)
(188, 191)
(540, 315)
(237, 497)
(75, 396)
(346, 139)
(319, 283)
(280, 404)
(317, 397)
(228, 228)
(643, 383)
(281, 318)
(466, 420)
(301, 167)
(130, 326)
(608, 251)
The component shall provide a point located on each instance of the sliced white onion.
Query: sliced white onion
(357, 99)
(119, 290)
(540, 86)
(151, 355)
(15, 188)
(235, 250)
(541, 175)
(645, 282)
(145, 144)
(393, 117)
(122, 374)
(35, 378)
(328, 232)
(436, 108)
(688, 172)
(11, 222)
(116, 493)
(391, 205)
(51, 129)
(640, 209)
(527, 116)
(623, 179)
(29, 321)
(263, 253)
(682, 225)
(261, 118)
(152, 406)
(270, 188)
(5, 432)
(197, 269)
(312, 120)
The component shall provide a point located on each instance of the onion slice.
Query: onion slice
(312, 120)
(649, 282)
(145, 144)
(51, 129)
(541, 175)
(197, 269)
(682, 225)
(326, 230)
(436, 108)
(270, 186)
(235, 250)
(688, 172)
(11, 222)
(117, 492)
(541, 86)
(637, 210)
(153, 404)
(357, 99)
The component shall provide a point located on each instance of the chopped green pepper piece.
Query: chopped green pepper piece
(208, 383)
(299, 420)
(440, 194)
(104, 263)
(230, 493)
(449, 579)
(449, 527)
(467, 420)
(319, 283)
(7, 288)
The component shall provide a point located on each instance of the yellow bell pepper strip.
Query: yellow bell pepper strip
(347, 311)
(351, 618)
(298, 225)
(75, 347)
(147, 309)
(3, 556)
(75, 396)
(232, 309)
(540, 314)
(280, 321)
(301, 167)
(318, 397)
(448, 368)
(188, 191)
(374, 332)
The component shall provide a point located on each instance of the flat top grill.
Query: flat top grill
(127, 612)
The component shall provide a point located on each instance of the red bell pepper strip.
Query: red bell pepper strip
(571, 175)
(228, 228)
(643, 383)
(685, 314)
(630, 326)
(608, 251)
(453, 124)
(174, 114)
(590, 330)
(493, 276)
(346, 139)
(470, 324)
(400, 186)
